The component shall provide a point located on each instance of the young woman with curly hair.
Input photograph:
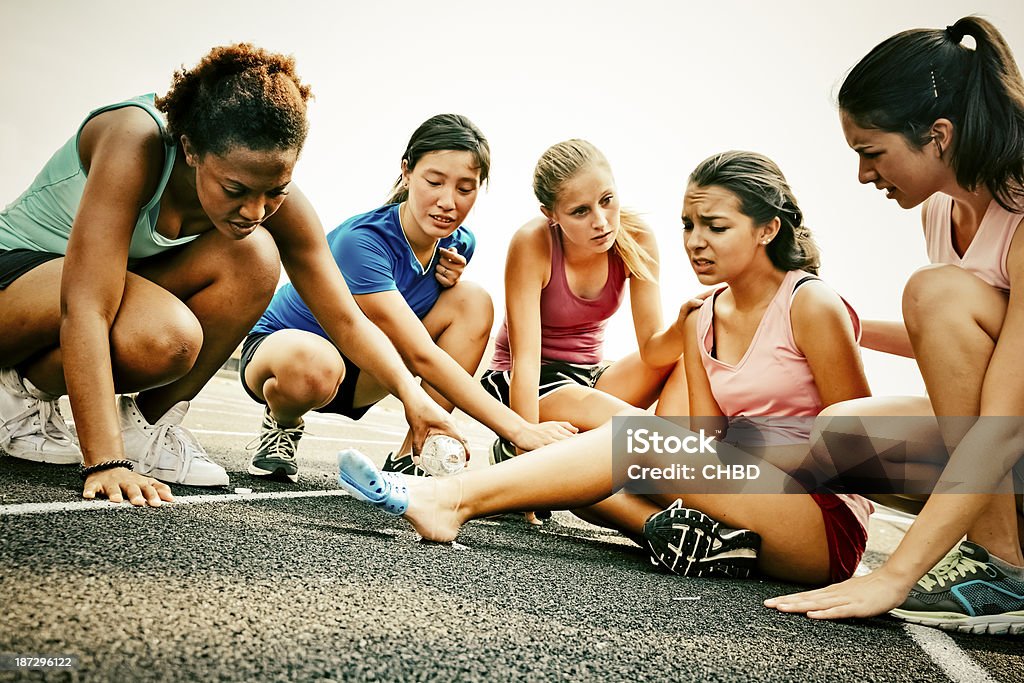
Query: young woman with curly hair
(142, 254)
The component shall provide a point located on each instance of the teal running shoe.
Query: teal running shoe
(968, 591)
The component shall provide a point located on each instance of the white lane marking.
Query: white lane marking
(474, 447)
(903, 520)
(305, 437)
(944, 651)
(75, 506)
(309, 419)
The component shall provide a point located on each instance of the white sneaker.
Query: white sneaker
(31, 426)
(166, 450)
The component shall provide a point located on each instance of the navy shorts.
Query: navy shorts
(553, 376)
(16, 262)
(342, 402)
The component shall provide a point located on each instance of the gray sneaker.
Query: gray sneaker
(275, 450)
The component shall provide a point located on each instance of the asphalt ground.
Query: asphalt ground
(261, 586)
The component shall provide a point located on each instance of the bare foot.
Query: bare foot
(434, 507)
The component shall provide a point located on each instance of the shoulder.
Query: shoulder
(362, 237)
(462, 236)
(1015, 256)
(372, 226)
(123, 125)
(127, 134)
(815, 303)
(533, 238)
(692, 326)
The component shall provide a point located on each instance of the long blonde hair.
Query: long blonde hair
(560, 163)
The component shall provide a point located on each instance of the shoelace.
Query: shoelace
(40, 417)
(278, 441)
(952, 567)
(178, 441)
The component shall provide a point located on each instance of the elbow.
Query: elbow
(420, 361)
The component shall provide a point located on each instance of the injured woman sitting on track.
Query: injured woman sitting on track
(774, 341)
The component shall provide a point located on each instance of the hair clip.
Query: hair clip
(935, 87)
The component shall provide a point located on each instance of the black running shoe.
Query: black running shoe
(403, 465)
(275, 450)
(687, 542)
(502, 450)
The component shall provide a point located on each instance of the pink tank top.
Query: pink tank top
(772, 379)
(571, 328)
(986, 254)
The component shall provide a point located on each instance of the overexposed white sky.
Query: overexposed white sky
(658, 86)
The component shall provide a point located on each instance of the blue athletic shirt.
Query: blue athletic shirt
(374, 256)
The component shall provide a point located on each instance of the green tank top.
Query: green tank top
(40, 219)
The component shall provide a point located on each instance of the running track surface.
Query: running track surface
(300, 582)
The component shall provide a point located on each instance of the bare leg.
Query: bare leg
(227, 285)
(294, 372)
(155, 338)
(179, 320)
(954, 320)
(459, 323)
(579, 472)
(636, 383)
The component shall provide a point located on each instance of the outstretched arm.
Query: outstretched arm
(947, 517)
(312, 270)
(887, 336)
(390, 312)
(123, 153)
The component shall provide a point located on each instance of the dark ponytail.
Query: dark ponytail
(442, 133)
(912, 79)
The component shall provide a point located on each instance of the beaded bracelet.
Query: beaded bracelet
(108, 465)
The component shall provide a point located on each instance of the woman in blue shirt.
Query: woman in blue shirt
(403, 263)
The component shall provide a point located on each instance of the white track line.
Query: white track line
(903, 520)
(305, 437)
(75, 506)
(944, 651)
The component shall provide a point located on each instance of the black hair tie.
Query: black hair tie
(954, 34)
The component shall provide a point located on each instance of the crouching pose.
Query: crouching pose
(939, 124)
(775, 342)
(141, 255)
(404, 263)
(565, 276)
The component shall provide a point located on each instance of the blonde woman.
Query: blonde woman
(565, 276)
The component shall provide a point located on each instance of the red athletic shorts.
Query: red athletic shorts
(845, 531)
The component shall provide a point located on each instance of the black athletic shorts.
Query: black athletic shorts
(16, 262)
(341, 404)
(553, 376)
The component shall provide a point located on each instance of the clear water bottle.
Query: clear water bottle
(442, 456)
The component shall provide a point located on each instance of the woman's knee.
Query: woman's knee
(935, 295)
(163, 350)
(308, 376)
(471, 306)
(254, 268)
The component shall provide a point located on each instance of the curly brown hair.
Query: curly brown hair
(238, 95)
